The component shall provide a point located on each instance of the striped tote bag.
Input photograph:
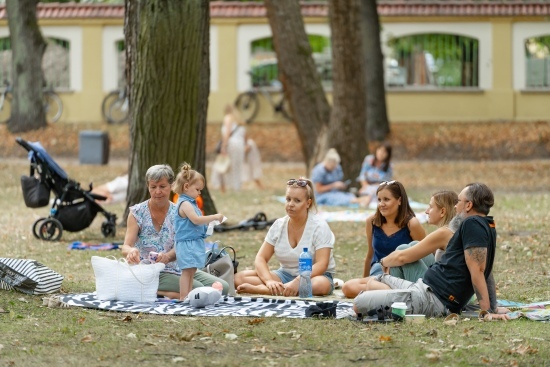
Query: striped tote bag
(28, 276)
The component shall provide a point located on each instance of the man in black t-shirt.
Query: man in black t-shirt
(464, 269)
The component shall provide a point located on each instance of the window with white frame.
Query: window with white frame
(264, 71)
(55, 62)
(432, 60)
(537, 62)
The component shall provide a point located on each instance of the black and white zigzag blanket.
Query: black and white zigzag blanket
(226, 306)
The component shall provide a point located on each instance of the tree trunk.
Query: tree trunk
(28, 47)
(167, 45)
(378, 126)
(347, 129)
(299, 76)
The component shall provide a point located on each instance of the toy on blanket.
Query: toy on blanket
(205, 296)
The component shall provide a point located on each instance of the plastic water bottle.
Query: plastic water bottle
(305, 263)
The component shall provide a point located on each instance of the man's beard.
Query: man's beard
(455, 223)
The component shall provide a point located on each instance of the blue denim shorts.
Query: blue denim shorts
(287, 277)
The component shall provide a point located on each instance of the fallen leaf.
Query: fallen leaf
(256, 349)
(132, 336)
(231, 336)
(433, 356)
(81, 320)
(86, 339)
(486, 360)
(178, 359)
(127, 319)
(432, 333)
(23, 300)
(256, 321)
(384, 338)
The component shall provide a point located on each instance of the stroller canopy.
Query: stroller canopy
(40, 153)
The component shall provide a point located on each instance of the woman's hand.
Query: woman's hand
(133, 256)
(291, 288)
(275, 288)
(163, 257)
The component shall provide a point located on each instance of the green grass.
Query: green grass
(34, 335)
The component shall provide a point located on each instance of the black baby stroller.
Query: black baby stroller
(73, 209)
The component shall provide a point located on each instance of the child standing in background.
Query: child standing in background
(190, 226)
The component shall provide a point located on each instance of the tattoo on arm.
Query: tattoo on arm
(478, 254)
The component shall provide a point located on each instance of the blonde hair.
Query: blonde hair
(186, 175)
(332, 156)
(310, 193)
(446, 199)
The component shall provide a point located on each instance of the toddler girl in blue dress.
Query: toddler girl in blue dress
(190, 226)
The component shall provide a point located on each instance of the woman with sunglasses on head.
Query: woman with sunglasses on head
(394, 223)
(286, 239)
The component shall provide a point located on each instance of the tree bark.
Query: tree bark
(28, 47)
(299, 76)
(378, 126)
(347, 129)
(167, 46)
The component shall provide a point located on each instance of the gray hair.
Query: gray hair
(158, 172)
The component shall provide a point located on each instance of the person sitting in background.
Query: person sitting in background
(465, 268)
(376, 168)
(327, 177)
(286, 239)
(394, 223)
(150, 228)
(114, 191)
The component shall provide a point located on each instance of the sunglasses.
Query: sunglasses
(298, 182)
(387, 182)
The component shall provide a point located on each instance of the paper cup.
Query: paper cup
(399, 308)
(415, 319)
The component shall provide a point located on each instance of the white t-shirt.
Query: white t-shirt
(317, 235)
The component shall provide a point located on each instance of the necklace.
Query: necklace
(155, 218)
(291, 223)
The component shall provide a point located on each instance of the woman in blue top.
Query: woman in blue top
(375, 169)
(394, 223)
(190, 226)
(327, 178)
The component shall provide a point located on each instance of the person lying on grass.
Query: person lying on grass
(286, 239)
(464, 269)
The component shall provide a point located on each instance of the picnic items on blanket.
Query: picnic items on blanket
(204, 296)
(322, 309)
(119, 281)
(220, 264)
(28, 276)
(77, 245)
(259, 221)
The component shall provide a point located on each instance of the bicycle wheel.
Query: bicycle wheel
(53, 107)
(5, 108)
(107, 103)
(248, 105)
(118, 112)
(283, 107)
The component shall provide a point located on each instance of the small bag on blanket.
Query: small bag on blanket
(220, 264)
(116, 280)
(28, 276)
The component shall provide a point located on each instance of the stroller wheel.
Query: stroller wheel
(35, 228)
(50, 229)
(108, 229)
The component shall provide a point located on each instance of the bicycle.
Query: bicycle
(53, 106)
(248, 103)
(115, 107)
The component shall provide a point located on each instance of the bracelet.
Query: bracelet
(482, 314)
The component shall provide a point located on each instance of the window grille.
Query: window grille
(432, 60)
(56, 64)
(264, 71)
(121, 64)
(537, 53)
